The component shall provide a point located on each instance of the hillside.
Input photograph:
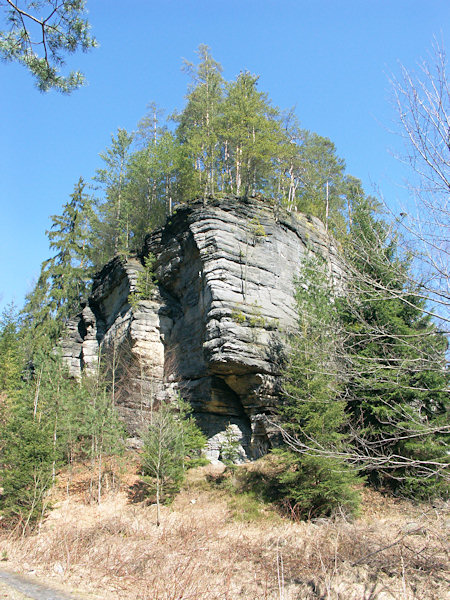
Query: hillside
(215, 543)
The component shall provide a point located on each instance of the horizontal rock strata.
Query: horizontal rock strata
(214, 328)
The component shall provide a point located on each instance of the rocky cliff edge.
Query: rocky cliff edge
(214, 329)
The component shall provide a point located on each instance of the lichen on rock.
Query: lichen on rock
(214, 328)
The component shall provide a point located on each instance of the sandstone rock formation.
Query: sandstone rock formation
(215, 327)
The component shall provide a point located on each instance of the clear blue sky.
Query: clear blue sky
(329, 58)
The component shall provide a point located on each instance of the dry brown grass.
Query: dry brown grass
(201, 552)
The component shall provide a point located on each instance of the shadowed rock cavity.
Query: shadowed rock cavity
(214, 328)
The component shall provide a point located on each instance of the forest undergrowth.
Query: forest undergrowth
(215, 542)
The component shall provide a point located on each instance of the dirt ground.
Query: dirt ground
(216, 545)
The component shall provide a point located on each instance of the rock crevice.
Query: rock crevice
(214, 328)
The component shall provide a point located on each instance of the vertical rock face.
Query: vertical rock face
(214, 329)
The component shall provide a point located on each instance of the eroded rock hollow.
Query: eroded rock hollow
(214, 329)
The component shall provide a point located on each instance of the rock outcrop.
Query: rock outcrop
(215, 326)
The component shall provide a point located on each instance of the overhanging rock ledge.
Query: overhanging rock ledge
(214, 330)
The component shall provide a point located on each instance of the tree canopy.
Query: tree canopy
(366, 378)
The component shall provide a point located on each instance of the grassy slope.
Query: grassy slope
(214, 544)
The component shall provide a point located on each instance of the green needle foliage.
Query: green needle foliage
(145, 283)
(228, 139)
(172, 443)
(314, 480)
(64, 278)
(40, 34)
(48, 420)
(366, 383)
(397, 386)
(11, 352)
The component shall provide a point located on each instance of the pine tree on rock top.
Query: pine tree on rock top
(113, 228)
(198, 122)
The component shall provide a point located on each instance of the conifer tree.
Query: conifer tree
(70, 269)
(321, 189)
(11, 352)
(252, 136)
(65, 277)
(38, 35)
(49, 420)
(314, 479)
(197, 130)
(113, 228)
(396, 363)
(151, 176)
(33, 446)
(171, 439)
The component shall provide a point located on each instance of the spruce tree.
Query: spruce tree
(172, 442)
(314, 479)
(70, 269)
(11, 352)
(65, 277)
(396, 363)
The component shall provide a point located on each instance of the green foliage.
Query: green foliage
(172, 443)
(311, 175)
(145, 282)
(257, 229)
(229, 448)
(39, 34)
(248, 492)
(397, 387)
(27, 457)
(198, 129)
(238, 316)
(64, 278)
(251, 135)
(48, 422)
(11, 352)
(194, 440)
(250, 314)
(228, 139)
(311, 486)
(312, 479)
(31, 445)
(312, 369)
(365, 379)
(69, 271)
(113, 228)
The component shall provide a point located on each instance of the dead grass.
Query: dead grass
(202, 552)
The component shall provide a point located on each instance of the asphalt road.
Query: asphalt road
(18, 587)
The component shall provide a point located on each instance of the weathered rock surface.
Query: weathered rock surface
(214, 329)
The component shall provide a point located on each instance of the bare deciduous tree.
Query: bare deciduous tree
(422, 101)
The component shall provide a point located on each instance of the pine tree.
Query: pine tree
(197, 128)
(172, 441)
(151, 175)
(311, 177)
(251, 135)
(113, 228)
